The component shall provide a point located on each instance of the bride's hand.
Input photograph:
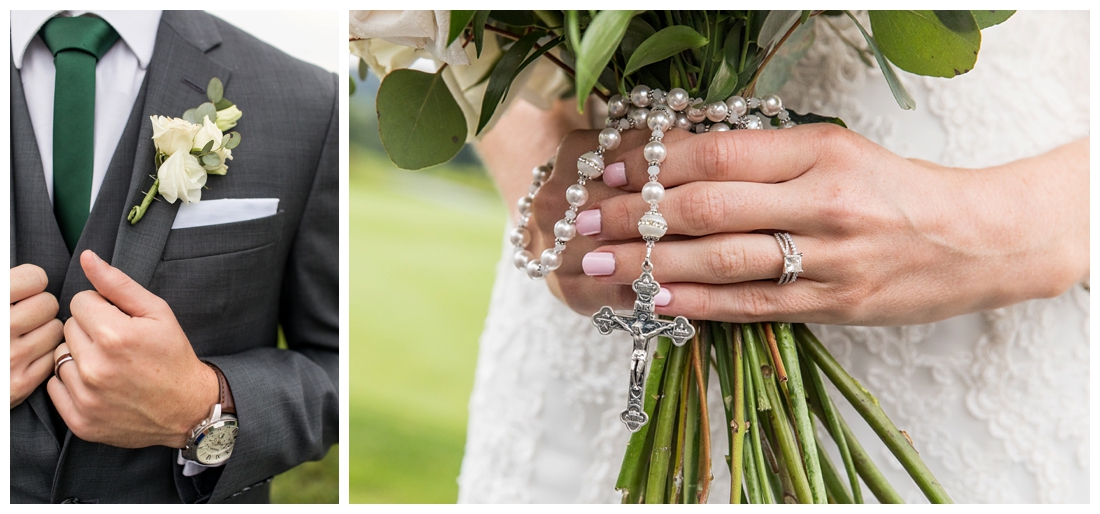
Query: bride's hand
(885, 240)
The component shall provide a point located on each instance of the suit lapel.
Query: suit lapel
(176, 81)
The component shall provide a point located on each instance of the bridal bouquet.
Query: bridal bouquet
(447, 76)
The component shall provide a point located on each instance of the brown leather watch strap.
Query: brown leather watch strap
(225, 395)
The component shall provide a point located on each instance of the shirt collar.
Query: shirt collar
(137, 28)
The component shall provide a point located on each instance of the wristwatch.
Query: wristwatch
(211, 442)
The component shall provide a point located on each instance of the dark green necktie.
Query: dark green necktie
(77, 44)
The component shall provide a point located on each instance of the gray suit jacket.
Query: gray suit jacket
(231, 286)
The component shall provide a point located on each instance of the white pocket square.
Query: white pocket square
(230, 210)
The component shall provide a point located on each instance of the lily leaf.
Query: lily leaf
(900, 94)
(929, 43)
(725, 80)
(480, 18)
(666, 43)
(810, 117)
(596, 47)
(503, 75)
(986, 19)
(419, 122)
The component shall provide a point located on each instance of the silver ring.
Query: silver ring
(57, 366)
(792, 258)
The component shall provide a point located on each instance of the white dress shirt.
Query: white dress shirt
(118, 77)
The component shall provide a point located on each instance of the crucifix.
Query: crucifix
(642, 326)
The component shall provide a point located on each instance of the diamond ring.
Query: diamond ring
(792, 258)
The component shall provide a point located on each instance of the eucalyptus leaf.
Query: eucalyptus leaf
(211, 160)
(900, 94)
(598, 44)
(986, 19)
(234, 140)
(480, 18)
(503, 75)
(214, 90)
(206, 110)
(191, 116)
(419, 122)
(459, 20)
(929, 43)
(363, 69)
(666, 43)
(778, 70)
(776, 24)
(207, 148)
(540, 51)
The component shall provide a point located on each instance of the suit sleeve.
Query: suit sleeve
(287, 400)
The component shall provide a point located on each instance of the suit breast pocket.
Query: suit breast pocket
(205, 241)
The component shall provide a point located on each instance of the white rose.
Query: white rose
(383, 57)
(227, 118)
(426, 30)
(211, 132)
(181, 176)
(172, 135)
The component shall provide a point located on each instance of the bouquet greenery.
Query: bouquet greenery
(769, 374)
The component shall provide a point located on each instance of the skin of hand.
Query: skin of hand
(886, 240)
(134, 380)
(35, 331)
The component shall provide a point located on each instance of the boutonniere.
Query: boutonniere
(190, 148)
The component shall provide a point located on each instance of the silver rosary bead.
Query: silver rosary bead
(590, 165)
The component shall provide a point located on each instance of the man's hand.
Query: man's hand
(134, 380)
(35, 331)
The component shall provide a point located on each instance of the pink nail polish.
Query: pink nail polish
(614, 174)
(596, 264)
(588, 222)
(662, 298)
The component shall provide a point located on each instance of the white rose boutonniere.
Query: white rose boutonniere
(190, 148)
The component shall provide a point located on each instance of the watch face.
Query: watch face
(215, 445)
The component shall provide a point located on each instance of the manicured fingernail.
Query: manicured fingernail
(588, 222)
(662, 298)
(614, 174)
(596, 264)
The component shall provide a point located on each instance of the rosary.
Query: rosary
(659, 111)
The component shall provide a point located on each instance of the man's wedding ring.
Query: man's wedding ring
(792, 258)
(57, 365)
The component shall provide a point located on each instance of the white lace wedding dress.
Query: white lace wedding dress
(997, 403)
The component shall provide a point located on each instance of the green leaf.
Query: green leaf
(214, 90)
(207, 148)
(234, 140)
(459, 20)
(206, 109)
(515, 18)
(725, 80)
(223, 104)
(190, 115)
(778, 70)
(598, 44)
(572, 31)
(929, 43)
(775, 26)
(503, 75)
(419, 122)
(810, 117)
(480, 18)
(666, 43)
(351, 86)
(539, 52)
(986, 19)
(362, 69)
(636, 32)
(900, 94)
(211, 160)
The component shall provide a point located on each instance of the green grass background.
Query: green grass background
(424, 245)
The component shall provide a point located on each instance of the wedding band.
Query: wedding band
(792, 258)
(57, 366)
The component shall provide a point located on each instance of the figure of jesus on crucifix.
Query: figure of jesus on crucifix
(642, 326)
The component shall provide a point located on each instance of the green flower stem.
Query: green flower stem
(691, 453)
(755, 463)
(833, 483)
(656, 486)
(139, 210)
(870, 473)
(631, 481)
(803, 428)
(752, 348)
(777, 361)
(787, 445)
(867, 406)
(722, 358)
(738, 427)
(815, 388)
(702, 413)
(676, 485)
